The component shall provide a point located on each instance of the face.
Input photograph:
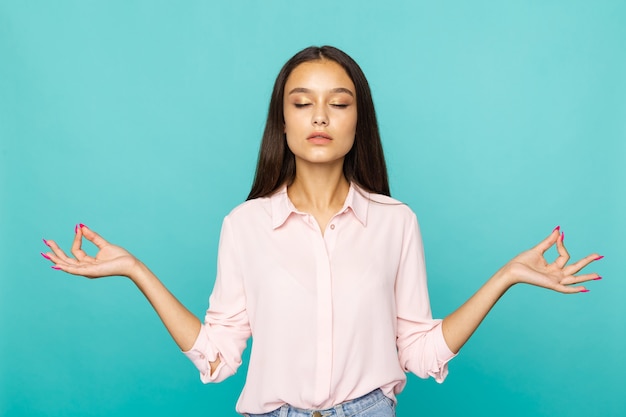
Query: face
(320, 113)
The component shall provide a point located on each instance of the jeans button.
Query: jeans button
(317, 414)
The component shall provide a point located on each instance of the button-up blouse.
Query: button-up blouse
(332, 316)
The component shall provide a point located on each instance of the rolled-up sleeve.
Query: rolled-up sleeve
(422, 349)
(226, 327)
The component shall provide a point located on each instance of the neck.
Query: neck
(318, 188)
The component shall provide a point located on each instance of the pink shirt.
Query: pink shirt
(332, 316)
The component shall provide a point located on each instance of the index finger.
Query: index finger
(77, 251)
(93, 237)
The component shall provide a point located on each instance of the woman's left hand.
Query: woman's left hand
(530, 267)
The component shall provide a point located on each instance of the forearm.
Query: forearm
(112, 260)
(182, 325)
(459, 326)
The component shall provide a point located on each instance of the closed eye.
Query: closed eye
(301, 105)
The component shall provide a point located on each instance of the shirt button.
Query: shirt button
(332, 227)
(201, 356)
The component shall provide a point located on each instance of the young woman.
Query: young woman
(320, 265)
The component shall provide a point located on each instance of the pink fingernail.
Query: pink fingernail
(597, 279)
(81, 225)
(584, 290)
(599, 257)
(562, 236)
(75, 229)
(45, 256)
(45, 242)
(55, 267)
(556, 228)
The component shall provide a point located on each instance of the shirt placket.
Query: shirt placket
(324, 314)
(324, 310)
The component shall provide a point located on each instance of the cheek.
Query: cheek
(350, 144)
(289, 139)
(289, 132)
(352, 121)
(291, 122)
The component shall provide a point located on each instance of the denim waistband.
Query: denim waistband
(345, 409)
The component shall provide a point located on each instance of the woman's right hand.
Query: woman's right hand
(109, 261)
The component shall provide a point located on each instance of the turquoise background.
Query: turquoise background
(142, 119)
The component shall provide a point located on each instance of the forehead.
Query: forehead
(319, 75)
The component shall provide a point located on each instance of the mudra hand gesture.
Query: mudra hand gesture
(109, 261)
(530, 267)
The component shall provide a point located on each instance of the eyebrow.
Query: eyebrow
(334, 90)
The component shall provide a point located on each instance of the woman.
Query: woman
(320, 265)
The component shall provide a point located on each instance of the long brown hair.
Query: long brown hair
(365, 162)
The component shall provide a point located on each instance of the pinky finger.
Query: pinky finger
(566, 287)
(82, 270)
(573, 290)
(68, 269)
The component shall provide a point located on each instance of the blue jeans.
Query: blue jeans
(374, 404)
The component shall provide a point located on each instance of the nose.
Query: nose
(320, 118)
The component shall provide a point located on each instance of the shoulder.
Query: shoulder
(388, 206)
(384, 200)
(250, 211)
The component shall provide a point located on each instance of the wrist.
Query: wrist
(507, 276)
(137, 270)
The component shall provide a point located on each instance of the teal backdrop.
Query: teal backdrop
(142, 119)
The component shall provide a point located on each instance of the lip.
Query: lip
(319, 137)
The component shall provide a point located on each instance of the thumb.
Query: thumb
(93, 237)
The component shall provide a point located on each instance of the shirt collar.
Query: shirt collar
(357, 201)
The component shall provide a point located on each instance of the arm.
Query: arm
(528, 267)
(112, 260)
